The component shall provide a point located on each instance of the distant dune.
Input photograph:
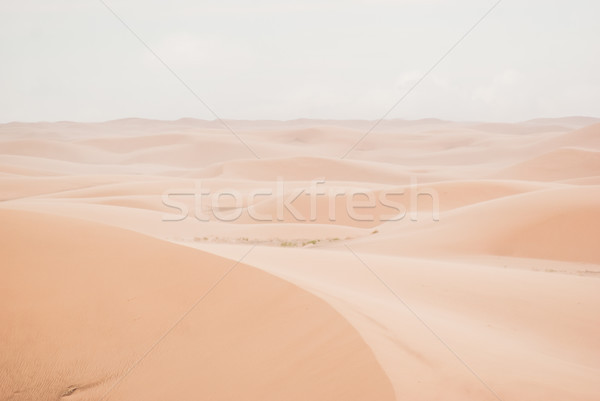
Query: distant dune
(561, 164)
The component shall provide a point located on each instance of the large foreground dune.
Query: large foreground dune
(166, 260)
(82, 303)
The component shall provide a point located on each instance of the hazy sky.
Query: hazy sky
(350, 59)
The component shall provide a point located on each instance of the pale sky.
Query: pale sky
(265, 59)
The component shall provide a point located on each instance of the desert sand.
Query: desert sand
(467, 266)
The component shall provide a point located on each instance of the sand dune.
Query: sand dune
(117, 292)
(486, 232)
(561, 224)
(587, 137)
(573, 122)
(55, 150)
(509, 335)
(559, 164)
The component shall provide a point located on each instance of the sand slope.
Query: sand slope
(558, 224)
(82, 302)
(557, 165)
(509, 335)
